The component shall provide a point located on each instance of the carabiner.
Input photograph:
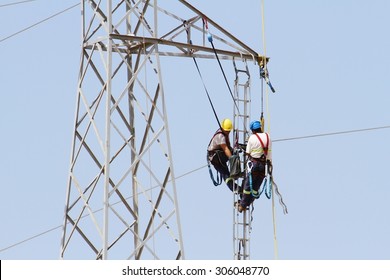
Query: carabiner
(249, 166)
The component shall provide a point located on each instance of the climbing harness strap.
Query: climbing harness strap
(266, 185)
(265, 147)
(267, 182)
(217, 181)
(254, 193)
(219, 131)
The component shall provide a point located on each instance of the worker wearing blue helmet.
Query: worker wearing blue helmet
(258, 150)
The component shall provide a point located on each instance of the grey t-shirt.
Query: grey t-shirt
(216, 142)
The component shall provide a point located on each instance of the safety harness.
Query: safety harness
(216, 153)
(264, 184)
(265, 147)
(268, 181)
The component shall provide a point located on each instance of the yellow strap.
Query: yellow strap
(228, 180)
(263, 31)
(265, 65)
(268, 127)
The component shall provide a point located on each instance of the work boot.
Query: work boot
(241, 208)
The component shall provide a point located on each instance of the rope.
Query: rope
(210, 39)
(264, 76)
(217, 181)
(262, 121)
(263, 30)
(274, 228)
(207, 93)
(281, 202)
(201, 77)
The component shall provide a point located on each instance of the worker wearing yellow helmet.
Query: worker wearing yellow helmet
(219, 151)
(227, 125)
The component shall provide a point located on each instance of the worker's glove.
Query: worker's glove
(242, 146)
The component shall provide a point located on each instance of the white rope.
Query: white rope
(268, 128)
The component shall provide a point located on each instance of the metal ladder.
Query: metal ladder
(241, 221)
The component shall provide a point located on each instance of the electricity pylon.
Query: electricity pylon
(121, 200)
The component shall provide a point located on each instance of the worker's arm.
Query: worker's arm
(226, 149)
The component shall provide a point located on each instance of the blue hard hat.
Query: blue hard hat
(255, 125)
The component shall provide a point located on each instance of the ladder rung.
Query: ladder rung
(243, 239)
(242, 71)
(242, 224)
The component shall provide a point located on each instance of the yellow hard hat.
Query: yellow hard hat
(227, 125)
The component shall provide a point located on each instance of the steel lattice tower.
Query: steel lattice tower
(119, 203)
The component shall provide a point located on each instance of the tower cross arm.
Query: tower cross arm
(134, 42)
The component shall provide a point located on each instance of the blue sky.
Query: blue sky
(330, 66)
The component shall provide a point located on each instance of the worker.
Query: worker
(219, 151)
(259, 154)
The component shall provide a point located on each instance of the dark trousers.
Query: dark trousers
(219, 160)
(258, 174)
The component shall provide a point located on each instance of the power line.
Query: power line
(201, 167)
(16, 3)
(39, 22)
(30, 238)
(332, 133)
(98, 210)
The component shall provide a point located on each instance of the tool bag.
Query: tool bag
(235, 165)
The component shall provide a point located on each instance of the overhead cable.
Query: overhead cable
(199, 168)
(331, 133)
(37, 23)
(98, 210)
(16, 3)
(30, 238)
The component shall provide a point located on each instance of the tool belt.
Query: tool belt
(217, 157)
(262, 159)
